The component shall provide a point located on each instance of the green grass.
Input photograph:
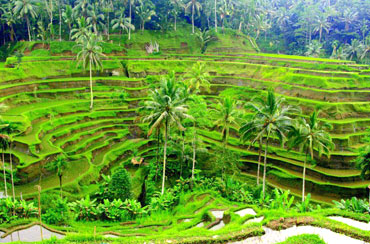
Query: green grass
(304, 239)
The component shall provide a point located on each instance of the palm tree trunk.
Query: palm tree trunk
(304, 176)
(175, 27)
(194, 151)
(216, 15)
(11, 170)
(129, 29)
(192, 18)
(91, 89)
(60, 21)
(108, 26)
(320, 35)
(28, 28)
(259, 162)
(60, 186)
(182, 153)
(164, 156)
(156, 171)
(5, 186)
(264, 167)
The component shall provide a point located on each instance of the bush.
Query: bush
(354, 204)
(120, 185)
(58, 214)
(22, 209)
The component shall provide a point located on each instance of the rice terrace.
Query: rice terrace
(185, 121)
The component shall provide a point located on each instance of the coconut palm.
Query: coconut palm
(166, 107)
(248, 132)
(122, 23)
(4, 142)
(25, 9)
(321, 24)
(310, 135)
(271, 120)
(10, 19)
(59, 165)
(176, 6)
(195, 7)
(82, 30)
(348, 17)
(130, 3)
(198, 78)
(95, 18)
(68, 18)
(314, 49)
(204, 38)
(90, 56)
(355, 49)
(9, 129)
(145, 12)
(82, 7)
(226, 115)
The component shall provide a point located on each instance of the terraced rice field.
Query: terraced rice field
(53, 107)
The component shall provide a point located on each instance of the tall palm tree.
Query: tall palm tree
(215, 15)
(309, 136)
(122, 23)
(321, 24)
(68, 18)
(166, 107)
(248, 132)
(176, 6)
(82, 7)
(355, 49)
(82, 30)
(95, 18)
(25, 9)
(4, 142)
(9, 130)
(198, 78)
(145, 12)
(90, 56)
(130, 3)
(271, 120)
(195, 7)
(10, 19)
(226, 115)
(349, 15)
(59, 165)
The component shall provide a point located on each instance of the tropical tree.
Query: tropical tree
(166, 107)
(82, 7)
(130, 3)
(355, 49)
(59, 165)
(9, 129)
(4, 143)
(348, 17)
(25, 9)
(176, 6)
(82, 31)
(122, 23)
(145, 12)
(195, 8)
(321, 24)
(10, 19)
(248, 132)
(68, 18)
(314, 49)
(226, 115)
(90, 56)
(204, 37)
(198, 78)
(271, 120)
(95, 18)
(310, 135)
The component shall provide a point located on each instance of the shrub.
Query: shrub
(22, 209)
(58, 214)
(120, 185)
(354, 204)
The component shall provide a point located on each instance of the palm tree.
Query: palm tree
(25, 9)
(9, 130)
(321, 24)
(4, 142)
(271, 120)
(348, 17)
(122, 23)
(314, 49)
(216, 15)
(166, 107)
(248, 132)
(204, 37)
(95, 18)
(176, 6)
(198, 78)
(68, 18)
(10, 19)
(226, 116)
(356, 48)
(90, 55)
(82, 7)
(58, 165)
(145, 12)
(130, 2)
(82, 30)
(308, 136)
(195, 6)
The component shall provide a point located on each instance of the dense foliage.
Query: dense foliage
(334, 28)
